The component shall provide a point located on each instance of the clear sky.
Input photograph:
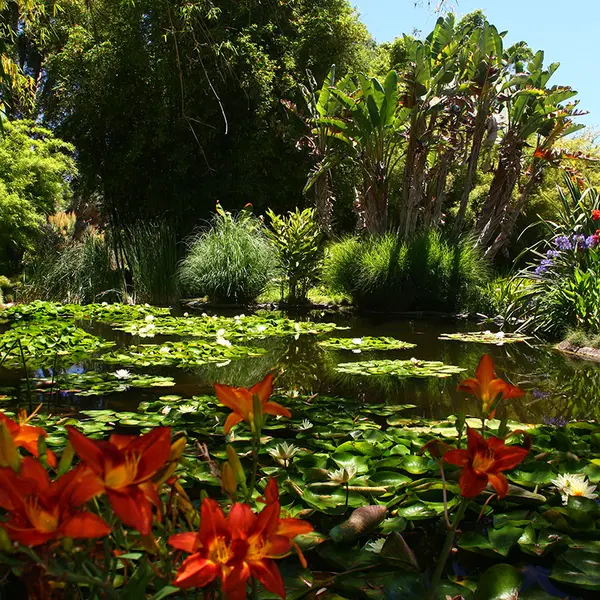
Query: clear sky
(567, 30)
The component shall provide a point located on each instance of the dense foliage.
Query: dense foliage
(384, 273)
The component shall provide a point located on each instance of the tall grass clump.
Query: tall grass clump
(78, 271)
(152, 256)
(231, 261)
(427, 273)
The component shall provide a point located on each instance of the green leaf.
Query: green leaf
(500, 582)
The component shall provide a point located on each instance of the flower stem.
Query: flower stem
(255, 449)
(446, 548)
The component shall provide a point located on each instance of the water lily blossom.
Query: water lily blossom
(126, 465)
(40, 510)
(488, 387)
(122, 374)
(483, 462)
(241, 402)
(24, 436)
(574, 485)
(237, 547)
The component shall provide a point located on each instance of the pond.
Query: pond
(371, 401)
(560, 388)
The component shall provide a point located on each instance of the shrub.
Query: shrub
(152, 257)
(385, 273)
(297, 238)
(80, 272)
(231, 261)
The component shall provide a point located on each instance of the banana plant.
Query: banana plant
(368, 130)
(531, 109)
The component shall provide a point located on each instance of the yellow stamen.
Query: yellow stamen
(124, 474)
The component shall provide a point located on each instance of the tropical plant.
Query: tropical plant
(152, 256)
(298, 241)
(229, 261)
(427, 273)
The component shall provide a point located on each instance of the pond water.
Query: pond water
(559, 388)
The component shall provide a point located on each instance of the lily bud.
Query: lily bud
(236, 466)
(228, 480)
(66, 460)
(9, 456)
(5, 543)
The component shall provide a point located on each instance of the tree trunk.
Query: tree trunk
(512, 212)
(374, 203)
(478, 133)
(501, 189)
(436, 190)
(324, 203)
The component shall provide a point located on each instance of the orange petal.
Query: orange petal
(268, 574)
(196, 572)
(268, 519)
(121, 441)
(212, 521)
(78, 486)
(188, 541)
(272, 491)
(499, 483)
(240, 520)
(263, 389)
(471, 386)
(11, 425)
(460, 458)
(485, 371)
(234, 579)
(508, 458)
(85, 525)
(232, 420)
(132, 507)
(87, 450)
(290, 528)
(272, 408)
(471, 483)
(155, 449)
(237, 399)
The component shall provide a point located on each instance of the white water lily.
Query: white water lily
(164, 350)
(500, 335)
(357, 351)
(343, 476)
(375, 546)
(357, 341)
(283, 453)
(297, 326)
(569, 484)
(223, 342)
(221, 333)
(149, 318)
(166, 410)
(261, 328)
(187, 408)
(104, 304)
(122, 374)
(306, 424)
(186, 314)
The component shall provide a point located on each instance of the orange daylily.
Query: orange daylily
(126, 464)
(488, 387)
(241, 402)
(40, 510)
(26, 436)
(237, 547)
(483, 462)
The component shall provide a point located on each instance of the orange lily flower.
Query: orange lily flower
(126, 464)
(483, 462)
(41, 510)
(487, 386)
(238, 547)
(241, 402)
(26, 436)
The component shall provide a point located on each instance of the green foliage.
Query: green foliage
(385, 273)
(400, 368)
(152, 257)
(231, 261)
(81, 271)
(35, 172)
(297, 238)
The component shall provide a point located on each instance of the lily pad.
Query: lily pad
(400, 368)
(365, 343)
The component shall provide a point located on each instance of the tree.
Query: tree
(35, 173)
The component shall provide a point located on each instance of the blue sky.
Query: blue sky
(568, 32)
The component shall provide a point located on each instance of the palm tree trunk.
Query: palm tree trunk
(501, 189)
(324, 203)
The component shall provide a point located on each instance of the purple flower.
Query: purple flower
(555, 421)
(553, 254)
(562, 242)
(539, 394)
(579, 241)
(591, 241)
(544, 266)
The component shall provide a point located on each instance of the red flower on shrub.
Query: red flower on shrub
(40, 510)
(237, 547)
(483, 462)
(26, 436)
(241, 402)
(488, 387)
(126, 464)
(596, 215)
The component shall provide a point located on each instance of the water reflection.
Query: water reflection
(559, 388)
